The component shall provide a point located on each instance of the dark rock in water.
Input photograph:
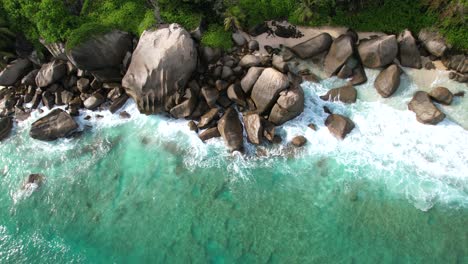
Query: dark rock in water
(208, 118)
(346, 94)
(30, 92)
(192, 126)
(340, 51)
(441, 95)
(118, 103)
(50, 73)
(409, 52)
(457, 63)
(313, 127)
(124, 115)
(388, 81)
(236, 94)
(327, 110)
(269, 131)
(459, 94)
(429, 65)
(378, 52)
(253, 45)
(426, 111)
(239, 39)
(162, 64)
(230, 128)
(36, 99)
(6, 124)
(250, 60)
(339, 125)
(94, 101)
(209, 134)
(37, 179)
(185, 108)
(211, 95)
(30, 78)
(289, 105)
(299, 141)
(250, 79)
(14, 72)
(359, 76)
(279, 64)
(267, 88)
(254, 128)
(102, 55)
(462, 78)
(433, 42)
(57, 124)
(313, 46)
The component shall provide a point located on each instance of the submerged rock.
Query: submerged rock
(231, 130)
(162, 64)
(14, 72)
(441, 95)
(388, 80)
(378, 52)
(57, 124)
(35, 178)
(6, 124)
(339, 125)
(426, 111)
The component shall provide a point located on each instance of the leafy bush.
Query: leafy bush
(217, 37)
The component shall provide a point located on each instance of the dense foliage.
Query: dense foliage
(77, 20)
(6, 39)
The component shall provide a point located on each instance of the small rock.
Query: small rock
(312, 126)
(388, 81)
(192, 126)
(209, 133)
(6, 125)
(280, 64)
(441, 95)
(236, 94)
(83, 85)
(239, 39)
(253, 45)
(250, 60)
(208, 117)
(94, 101)
(211, 95)
(339, 125)
(124, 115)
(226, 73)
(299, 141)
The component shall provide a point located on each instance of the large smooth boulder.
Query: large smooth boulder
(50, 73)
(267, 89)
(57, 124)
(433, 42)
(409, 52)
(102, 55)
(378, 52)
(250, 79)
(254, 127)
(339, 125)
(313, 46)
(290, 104)
(230, 128)
(388, 80)
(346, 94)
(14, 72)
(6, 124)
(340, 51)
(426, 111)
(441, 95)
(161, 65)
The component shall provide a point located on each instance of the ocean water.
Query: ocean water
(147, 190)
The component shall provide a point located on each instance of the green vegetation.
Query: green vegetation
(76, 20)
(217, 37)
(6, 39)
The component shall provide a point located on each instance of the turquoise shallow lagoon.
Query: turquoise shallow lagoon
(146, 190)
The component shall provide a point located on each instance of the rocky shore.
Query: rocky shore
(254, 87)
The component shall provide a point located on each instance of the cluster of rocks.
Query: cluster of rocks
(223, 94)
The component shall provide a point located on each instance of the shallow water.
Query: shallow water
(148, 190)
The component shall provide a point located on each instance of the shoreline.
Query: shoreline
(222, 79)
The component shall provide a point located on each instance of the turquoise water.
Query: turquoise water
(146, 190)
